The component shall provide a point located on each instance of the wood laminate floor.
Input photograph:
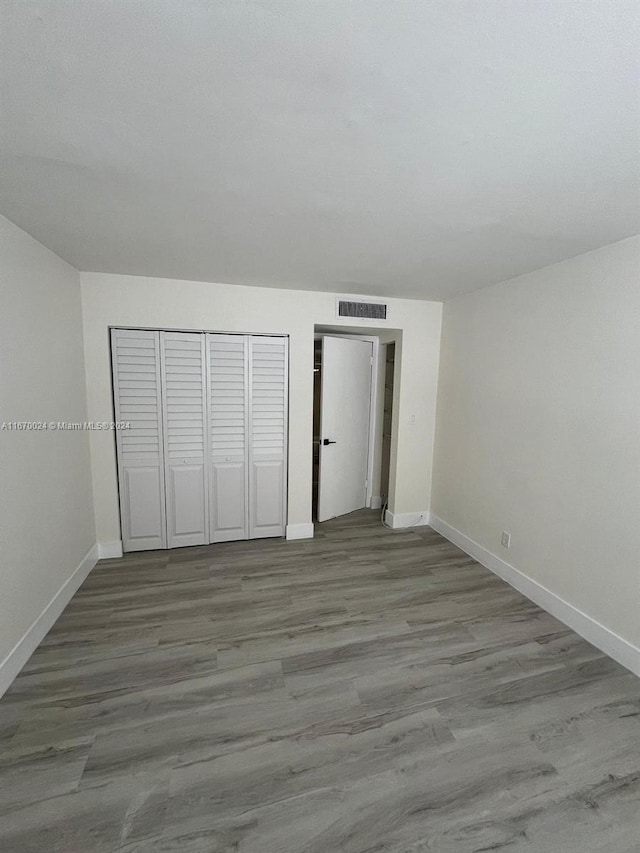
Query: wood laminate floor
(367, 691)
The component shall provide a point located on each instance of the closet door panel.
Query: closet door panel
(268, 376)
(228, 501)
(184, 406)
(187, 503)
(267, 498)
(227, 362)
(136, 378)
(144, 511)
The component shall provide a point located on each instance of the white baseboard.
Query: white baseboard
(376, 502)
(300, 531)
(594, 632)
(110, 550)
(399, 520)
(32, 638)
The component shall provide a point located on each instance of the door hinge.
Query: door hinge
(371, 361)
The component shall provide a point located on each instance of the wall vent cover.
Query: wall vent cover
(362, 310)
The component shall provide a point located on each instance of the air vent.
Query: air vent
(362, 310)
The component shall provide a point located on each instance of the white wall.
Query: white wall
(117, 300)
(46, 509)
(538, 430)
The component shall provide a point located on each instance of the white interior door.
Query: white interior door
(185, 447)
(268, 398)
(136, 384)
(344, 425)
(227, 360)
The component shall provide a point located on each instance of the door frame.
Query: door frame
(373, 397)
(114, 404)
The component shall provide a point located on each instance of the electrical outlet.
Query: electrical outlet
(506, 539)
(412, 419)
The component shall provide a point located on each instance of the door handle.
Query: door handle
(326, 441)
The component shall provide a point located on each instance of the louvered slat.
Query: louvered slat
(228, 409)
(268, 438)
(137, 394)
(184, 407)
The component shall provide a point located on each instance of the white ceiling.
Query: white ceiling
(419, 148)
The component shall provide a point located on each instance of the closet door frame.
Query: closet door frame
(217, 533)
(176, 539)
(130, 543)
(246, 337)
(252, 496)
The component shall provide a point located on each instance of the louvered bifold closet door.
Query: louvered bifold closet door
(227, 360)
(185, 447)
(136, 379)
(268, 380)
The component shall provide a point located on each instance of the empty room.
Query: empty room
(319, 426)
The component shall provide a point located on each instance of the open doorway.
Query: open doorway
(352, 417)
(317, 385)
(388, 357)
